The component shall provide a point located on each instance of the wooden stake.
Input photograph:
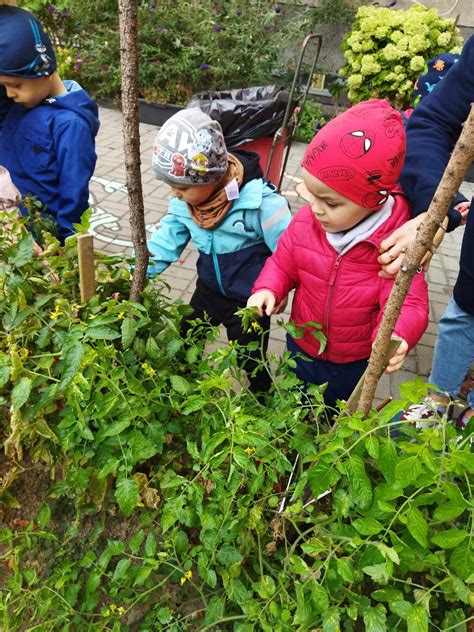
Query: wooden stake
(85, 250)
(353, 400)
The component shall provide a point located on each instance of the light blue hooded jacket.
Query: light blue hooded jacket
(231, 255)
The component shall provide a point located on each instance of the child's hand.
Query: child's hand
(281, 306)
(398, 358)
(264, 300)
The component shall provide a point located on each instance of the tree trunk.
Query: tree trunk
(128, 26)
(461, 158)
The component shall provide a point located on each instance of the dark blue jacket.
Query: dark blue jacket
(49, 151)
(432, 132)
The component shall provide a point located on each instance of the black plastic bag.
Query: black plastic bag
(245, 114)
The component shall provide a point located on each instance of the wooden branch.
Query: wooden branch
(128, 26)
(461, 158)
(85, 251)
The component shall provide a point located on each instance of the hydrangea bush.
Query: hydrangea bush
(387, 50)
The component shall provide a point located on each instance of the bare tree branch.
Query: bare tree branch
(128, 26)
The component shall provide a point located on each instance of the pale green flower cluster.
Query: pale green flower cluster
(387, 50)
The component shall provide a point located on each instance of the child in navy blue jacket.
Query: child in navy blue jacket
(47, 126)
(233, 217)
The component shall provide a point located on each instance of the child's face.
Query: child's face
(27, 92)
(194, 194)
(333, 211)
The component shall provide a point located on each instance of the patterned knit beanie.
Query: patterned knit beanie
(435, 70)
(190, 149)
(25, 48)
(360, 153)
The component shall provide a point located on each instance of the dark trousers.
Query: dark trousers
(341, 378)
(218, 309)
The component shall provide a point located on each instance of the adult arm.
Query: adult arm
(432, 132)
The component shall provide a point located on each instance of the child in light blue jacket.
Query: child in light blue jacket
(232, 216)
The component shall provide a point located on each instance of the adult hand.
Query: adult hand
(463, 208)
(398, 358)
(264, 300)
(394, 247)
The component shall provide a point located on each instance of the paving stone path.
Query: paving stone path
(111, 231)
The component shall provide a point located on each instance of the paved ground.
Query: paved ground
(112, 233)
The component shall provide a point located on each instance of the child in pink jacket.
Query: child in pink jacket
(329, 251)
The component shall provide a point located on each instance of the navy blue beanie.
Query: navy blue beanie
(25, 48)
(435, 70)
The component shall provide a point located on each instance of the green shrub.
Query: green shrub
(387, 50)
(185, 46)
(312, 117)
(162, 481)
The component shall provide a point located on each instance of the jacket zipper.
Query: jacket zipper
(332, 283)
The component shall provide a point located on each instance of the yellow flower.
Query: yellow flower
(106, 613)
(56, 314)
(248, 450)
(121, 315)
(256, 326)
(148, 369)
(186, 577)
(121, 610)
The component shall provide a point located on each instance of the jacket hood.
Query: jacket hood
(78, 101)
(251, 164)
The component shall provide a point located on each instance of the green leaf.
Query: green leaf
(359, 484)
(265, 587)
(417, 526)
(20, 393)
(72, 358)
(345, 570)
(4, 375)
(135, 541)
(23, 252)
(375, 619)
(142, 575)
(320, 597)
(121, 569)
(152, 349)
(331, 620)
(150, 545)
(228, 555)
(387, 460)
(116, 428)
(179, 384)
(407, 470)
(215, 610)
(126, 495)
(129, 331)
(367, 526)
(450, 538)
(102, 333)
(387, 594)
(142, 448)
(319, 478)
(417, 619)
(401, 608)
(449, 511)
(372, 446)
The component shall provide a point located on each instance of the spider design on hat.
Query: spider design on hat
(375, 198)
(357, 143)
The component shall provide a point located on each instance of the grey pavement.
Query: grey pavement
(110, 227)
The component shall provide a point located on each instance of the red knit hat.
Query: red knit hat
(360, 153)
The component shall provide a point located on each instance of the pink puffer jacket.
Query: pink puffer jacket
(342, 293)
